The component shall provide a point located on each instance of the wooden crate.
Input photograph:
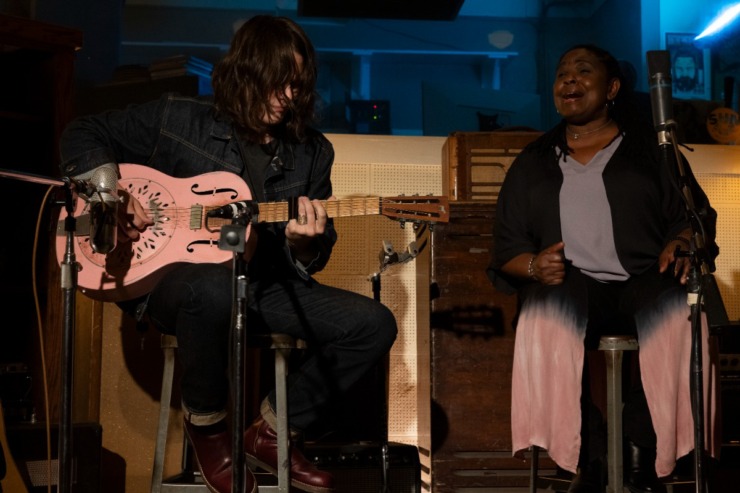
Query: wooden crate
(472, 346)
(474, 163)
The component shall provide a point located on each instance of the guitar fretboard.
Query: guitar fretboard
(272, 212)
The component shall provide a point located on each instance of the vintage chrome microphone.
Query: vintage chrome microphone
(104, 208)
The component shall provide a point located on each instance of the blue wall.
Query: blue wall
(428, 94)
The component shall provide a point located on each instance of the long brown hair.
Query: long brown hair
(261, 62)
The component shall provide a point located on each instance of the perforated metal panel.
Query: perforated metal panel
(391, 166)
(723, 191)
(357, 258)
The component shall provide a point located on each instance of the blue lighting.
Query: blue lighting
(722, 21)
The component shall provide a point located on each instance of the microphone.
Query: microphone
(234, 209)
(661, 98)
(104, 208)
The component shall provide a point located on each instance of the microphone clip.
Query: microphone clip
(388, 255)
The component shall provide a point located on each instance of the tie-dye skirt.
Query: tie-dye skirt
(548, 367)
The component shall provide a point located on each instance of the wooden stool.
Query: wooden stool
(185, 482)
(613, 347)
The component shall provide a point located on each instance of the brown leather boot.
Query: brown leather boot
(212, 451)
(261, 449)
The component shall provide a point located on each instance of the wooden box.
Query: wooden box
(472, 345)
(474, 163)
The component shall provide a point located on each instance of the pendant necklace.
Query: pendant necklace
(576, 136)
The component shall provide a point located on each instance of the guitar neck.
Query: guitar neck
(401, 208)
(273, 212)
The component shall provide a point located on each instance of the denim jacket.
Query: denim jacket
(184, 137)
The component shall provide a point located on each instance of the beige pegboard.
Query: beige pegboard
(385, 180)
(356, 258)
(385, 149)
(388, 166)
(723, 191)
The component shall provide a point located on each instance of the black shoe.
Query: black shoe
(639, 470)
(588, 479)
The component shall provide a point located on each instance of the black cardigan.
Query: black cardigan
(648, 209)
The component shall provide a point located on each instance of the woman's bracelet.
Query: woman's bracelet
(530, 268)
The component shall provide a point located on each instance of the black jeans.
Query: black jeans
(348, 333)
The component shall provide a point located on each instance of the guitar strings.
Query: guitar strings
(279, 210)
(413, 207)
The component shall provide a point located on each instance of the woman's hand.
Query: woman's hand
(681, 264)
(548, 266)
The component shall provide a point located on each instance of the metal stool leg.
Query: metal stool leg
(281, 398)
(169, 343)
(282, 344)
(614, 419)
(534, 466)
(184, 482)
(549, 482)
(614, 347)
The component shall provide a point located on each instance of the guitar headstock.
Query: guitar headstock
(416, 208)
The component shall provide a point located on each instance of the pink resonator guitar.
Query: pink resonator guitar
(183, 232)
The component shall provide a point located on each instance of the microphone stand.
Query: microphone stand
(384, 466)
(388, 257)
(69, 268)
(703, 292)
(233, 238)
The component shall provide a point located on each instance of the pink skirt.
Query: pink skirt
(548, 366)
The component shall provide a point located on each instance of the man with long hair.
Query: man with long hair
(258, 127)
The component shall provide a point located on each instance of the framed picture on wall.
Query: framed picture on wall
(690, 67)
